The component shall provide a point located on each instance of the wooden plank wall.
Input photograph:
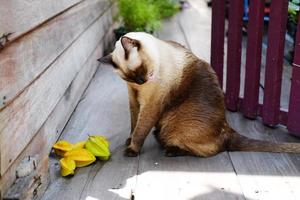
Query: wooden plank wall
(44, 69)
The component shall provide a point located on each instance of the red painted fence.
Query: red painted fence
(270, 110)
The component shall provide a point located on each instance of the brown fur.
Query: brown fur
(190, 117)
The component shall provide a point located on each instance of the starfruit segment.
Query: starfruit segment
(59, 152)
(98, 146)
(61, 147)
(78, 145)
(103, 139)
(82, 157)
(67, 166)
(104, 157)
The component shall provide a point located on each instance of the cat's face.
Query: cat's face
(131, 58)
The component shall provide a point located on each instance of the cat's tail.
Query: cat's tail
(237, 142)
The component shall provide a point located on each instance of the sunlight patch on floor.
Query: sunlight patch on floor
(270, 187)
(205, 185)
(90, 198)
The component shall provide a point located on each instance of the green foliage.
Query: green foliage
(139, 15)
(145, 15)
(294, 7)
(167, 8)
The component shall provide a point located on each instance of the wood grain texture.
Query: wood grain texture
(25, 59)
(103, 110)
(20, 119)
(274, 62)
(42, 142)
(31, 186)
(201, 24)
(160, 177)
(265, 175)
(186, 177)
(19, 17)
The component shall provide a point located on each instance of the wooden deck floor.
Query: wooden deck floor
(103, 110)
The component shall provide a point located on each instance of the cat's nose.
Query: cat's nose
(140, 80)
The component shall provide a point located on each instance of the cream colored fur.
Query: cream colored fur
(166, 61)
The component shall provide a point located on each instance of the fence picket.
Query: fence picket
(294, 105)
(217, 43)
(234, 54)
(274, 64)
(253, 59)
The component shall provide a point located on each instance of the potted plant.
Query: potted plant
(143, 15)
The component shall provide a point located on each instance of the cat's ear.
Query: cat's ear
(106, 59)
(129, 43)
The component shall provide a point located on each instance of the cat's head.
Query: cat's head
(135, 58)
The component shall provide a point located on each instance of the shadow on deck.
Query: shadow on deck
(104, 110)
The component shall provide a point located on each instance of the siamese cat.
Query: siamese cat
(177, 93)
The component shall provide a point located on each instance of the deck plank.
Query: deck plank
(265, 175)
(161, 177)
(197, 31)
(103, 110)
(43, 140)
(187, 177)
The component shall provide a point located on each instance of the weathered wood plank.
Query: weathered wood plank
(177, 35)
(253, 58)
(217, 35)
(201, 24)
(104, 110)
(19, 17)
(186, 177)
(31, 186)
(20, 119)
(25, 59)
(161, 177)
(265, 175)
(234, 54)
(294, 106)
(44, 139)
(274, 63)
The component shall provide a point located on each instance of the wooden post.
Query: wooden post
(273, 74)
(294, 106)
(253, 58)
(234, 54)
(217, 38)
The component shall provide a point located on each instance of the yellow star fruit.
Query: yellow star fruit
(98, 146)
(79, 145)
(67, 166)
(82, 157)
(81, 153)
(61, 147)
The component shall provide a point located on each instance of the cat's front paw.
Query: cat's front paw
(129, 152)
